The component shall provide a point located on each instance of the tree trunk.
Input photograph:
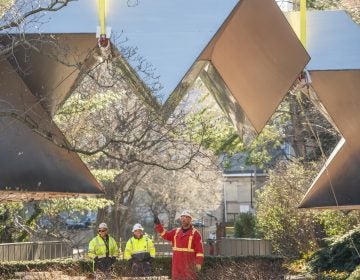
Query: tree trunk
(298, 130)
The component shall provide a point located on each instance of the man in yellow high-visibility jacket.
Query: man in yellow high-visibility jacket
(103, 250)
(140, 252)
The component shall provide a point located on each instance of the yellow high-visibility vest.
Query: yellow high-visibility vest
(97, 247)
(139, 246)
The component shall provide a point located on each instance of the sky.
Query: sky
(168, 34)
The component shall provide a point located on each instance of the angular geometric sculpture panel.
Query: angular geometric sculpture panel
(258, 56)
(338, 184)
(255, 57)
(333, 42)
(54, 73)
(35, 163)
(255, 53)
(244, 51)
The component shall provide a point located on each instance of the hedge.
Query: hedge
(214, 267)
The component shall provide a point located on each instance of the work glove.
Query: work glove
(198, 267)
(96, 259)
(151, 260)
(156, 220)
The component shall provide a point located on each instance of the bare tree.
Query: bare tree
(118, 131)
(107, 118)
(196, 188)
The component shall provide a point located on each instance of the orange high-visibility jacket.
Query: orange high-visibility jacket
(187, 251)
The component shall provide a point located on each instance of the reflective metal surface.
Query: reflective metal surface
(333, 39)
(168, 34)
(256, 57)
(254, 54)
(216, 86)
(333, 42)
(52, 74)
(338, 184)
(34, 158)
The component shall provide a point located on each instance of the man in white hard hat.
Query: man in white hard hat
(103, 249)
(139, 252)
(187, 247)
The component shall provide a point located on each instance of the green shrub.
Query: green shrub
(339, 254)
(245, 225)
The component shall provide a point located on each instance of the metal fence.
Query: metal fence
(224, 247)
(54, 249)
(41, 250)
(239, 247)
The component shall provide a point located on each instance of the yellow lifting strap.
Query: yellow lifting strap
(102, 16)
(303, 22)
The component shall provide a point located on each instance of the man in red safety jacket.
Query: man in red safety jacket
(187, 247)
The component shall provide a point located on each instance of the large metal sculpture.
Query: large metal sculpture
(249, 45)
(244, 51)
(333, 42)
(35, 163)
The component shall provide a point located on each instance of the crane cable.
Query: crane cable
(102, 16)
(317, 138)
(303, 22)
(318, 141)
(103, 42)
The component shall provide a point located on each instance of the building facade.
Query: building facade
(240, 183)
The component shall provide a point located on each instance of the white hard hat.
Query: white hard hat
(186, 213)
(137, 227)
(103, 225)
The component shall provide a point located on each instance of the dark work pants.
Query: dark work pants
(141, 268)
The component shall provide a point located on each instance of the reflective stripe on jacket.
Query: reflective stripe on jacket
(187, 251)
(97, 247)
(139, 247)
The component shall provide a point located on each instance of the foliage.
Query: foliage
(351, 7)
(4, 6)
(245, 225)
(122, 138)
(106, 175)
(297, 266)
(5, 209)
(340, 254)
(9, 217)
(322, 4)
(296, 122)
(332, 275)
(338, 222)
(220, 135)
(355, 275)
(293, 232)
(216, 132)
(222, 268)
(19, 221)
(197, 190)
(71, 205)
(262, 148)
(16, 221)
(242, 268)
